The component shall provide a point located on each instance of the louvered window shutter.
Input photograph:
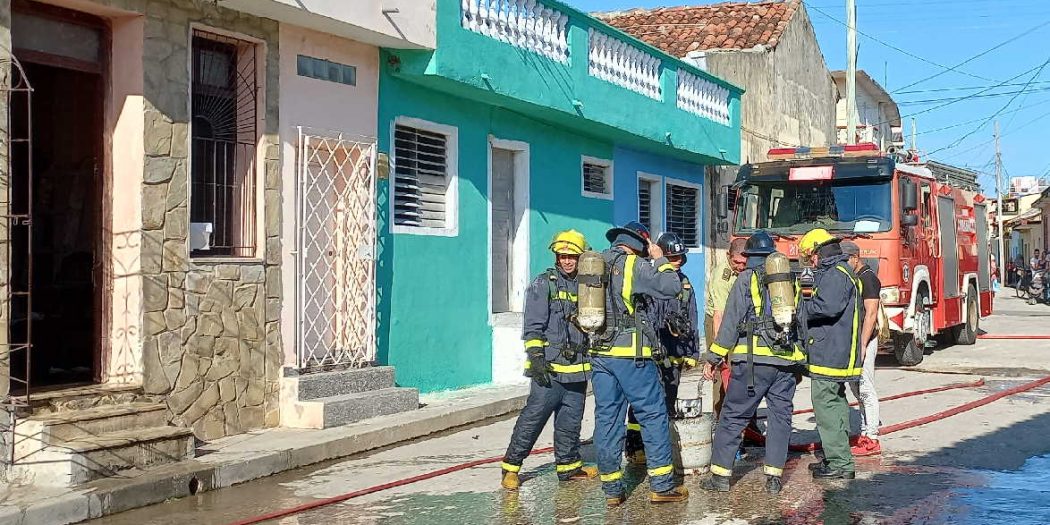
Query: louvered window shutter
(595, 178)
(420, 177)
(645, 203)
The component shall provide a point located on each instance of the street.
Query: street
(967, 469)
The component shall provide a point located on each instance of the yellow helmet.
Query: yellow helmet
(568, 242)
(814, 239)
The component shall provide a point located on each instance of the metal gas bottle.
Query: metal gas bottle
(781, 286)
(590, 306)
(692, 432)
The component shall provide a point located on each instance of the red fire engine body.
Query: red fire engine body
(923, 228)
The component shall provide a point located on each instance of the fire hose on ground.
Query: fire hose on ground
(802, 447)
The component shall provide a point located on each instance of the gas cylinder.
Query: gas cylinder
(590, 306)
(781, 286)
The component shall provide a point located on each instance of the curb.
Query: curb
(240, 459)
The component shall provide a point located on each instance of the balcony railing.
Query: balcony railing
(702, 97)
(623, 64)
(545, 28)
(526, 24)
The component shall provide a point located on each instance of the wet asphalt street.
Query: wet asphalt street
(988, 465)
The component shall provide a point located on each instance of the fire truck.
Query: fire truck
(921, 226)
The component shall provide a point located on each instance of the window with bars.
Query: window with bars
(223, 147)
(645, 203)
(683, 213)
(423, 180)
(597, 178)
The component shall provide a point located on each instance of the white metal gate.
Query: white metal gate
(335, 261)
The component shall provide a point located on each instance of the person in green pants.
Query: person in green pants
(830, 317)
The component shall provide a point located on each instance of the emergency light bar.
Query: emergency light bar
(838, 150)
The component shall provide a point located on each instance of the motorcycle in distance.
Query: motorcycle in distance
(1037, 289)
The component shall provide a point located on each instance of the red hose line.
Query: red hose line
(801, 447)
(1013, 337)
(897, 427)
(376, 488)
(953, 386)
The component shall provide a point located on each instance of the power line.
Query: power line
(895, 48)
(985, 96)
(1022, 126)
(963, 88)
(960, 124)
(981, 54)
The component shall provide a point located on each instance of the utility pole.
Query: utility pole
(851, 71)
(999, 206)
(914, 136)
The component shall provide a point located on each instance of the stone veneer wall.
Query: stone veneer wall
(210, 330)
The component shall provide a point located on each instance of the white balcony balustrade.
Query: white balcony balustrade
(616, 61)
(526, 24)
(702, 97)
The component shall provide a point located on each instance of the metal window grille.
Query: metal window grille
(223, 156)
(421, 177)
(595, 178)
(335, 260)
(645, 203)
(683, 213)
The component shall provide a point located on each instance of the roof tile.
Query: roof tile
(729, 25)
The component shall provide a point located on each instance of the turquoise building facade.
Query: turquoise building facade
(526, 120)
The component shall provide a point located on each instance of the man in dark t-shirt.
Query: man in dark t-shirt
(867, 444)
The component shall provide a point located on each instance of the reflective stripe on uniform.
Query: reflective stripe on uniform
(570, 369)
(835, 372)
(637, 427)
(683, 360)
(569, 467)
(628, 283)
(666, 267)
(721, 471)
(772, 471)
(624, 351)
(719, 350)
(661, 471)
(566, 296)
(614, 476)
(795, 355)
(510, 468)
(535, 343)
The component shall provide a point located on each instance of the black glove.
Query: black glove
(538, 370)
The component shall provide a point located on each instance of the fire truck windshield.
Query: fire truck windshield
(790, 208)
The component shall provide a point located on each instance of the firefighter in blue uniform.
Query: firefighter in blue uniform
(624, 368)
(830, 317)
(557, 362)
(676, 322)
(764, 365)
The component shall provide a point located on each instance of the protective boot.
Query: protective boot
(510, 480)
(615, 501)
(774, 485)
(826, 472)
(674, 495)
(716, 483)
(584, 473)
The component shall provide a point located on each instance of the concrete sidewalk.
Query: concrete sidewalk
(254, 455)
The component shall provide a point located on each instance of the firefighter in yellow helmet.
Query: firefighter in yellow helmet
(556, 360)
(830, 315)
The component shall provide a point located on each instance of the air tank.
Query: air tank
(781, 285)
(590, 306)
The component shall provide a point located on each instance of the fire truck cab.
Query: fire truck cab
(921, 227)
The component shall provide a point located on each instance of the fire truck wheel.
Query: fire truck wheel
(966, 333)
(907, 352)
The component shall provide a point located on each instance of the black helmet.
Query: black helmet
(633, 228)
(671, 244)
(760, 243)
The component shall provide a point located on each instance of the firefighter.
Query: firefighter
(764, 362)
(558, 365)
(830, 317)
(624, 365)
(675, 321)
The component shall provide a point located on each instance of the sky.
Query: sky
(994, 55)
